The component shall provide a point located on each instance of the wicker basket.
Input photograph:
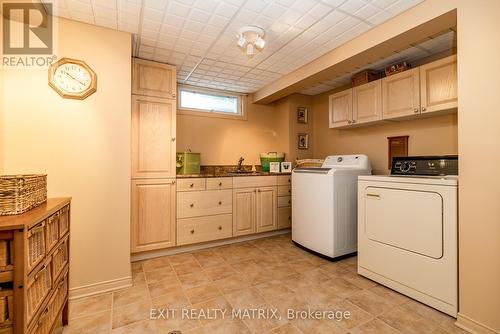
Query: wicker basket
(20, 193)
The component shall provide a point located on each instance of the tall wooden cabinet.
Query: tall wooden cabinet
(153, 197)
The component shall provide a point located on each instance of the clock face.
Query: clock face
(72, 78)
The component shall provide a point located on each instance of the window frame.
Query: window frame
(212, 113)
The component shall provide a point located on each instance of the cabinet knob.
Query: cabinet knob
(423, 109)
(289, 201)
(289, 218)
(220, 228)
(289, 191)
(220, 184)
(192, 231)
(220, 202)
(191, 205)
(415, 110)
(173, 139)
(349, 122)
(258, 190)
(191, 185)
(289, 180)
(353, 121)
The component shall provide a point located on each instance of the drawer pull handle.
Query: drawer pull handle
(289, 218)
(376, 196)
(192, 231)
(220, 228)
(220, 184)
(289, 180)
(191, 205)
(220, 202)
(41, 271)
(258, 190)
(289, 191)
(289, 201)
(191, 185)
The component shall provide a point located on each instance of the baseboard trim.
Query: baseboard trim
(100, 287)
(189, 248)
(472, 326)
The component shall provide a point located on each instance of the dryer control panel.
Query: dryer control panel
(425, 165)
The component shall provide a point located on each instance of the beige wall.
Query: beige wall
(292, 102)
(479, 149)
(83, 146)
(222, 141)
(428, 136)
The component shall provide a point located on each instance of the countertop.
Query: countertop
(227, 174)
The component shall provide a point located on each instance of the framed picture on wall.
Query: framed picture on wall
(303, 141)
(302, 115)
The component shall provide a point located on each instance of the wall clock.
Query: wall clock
(72, 79)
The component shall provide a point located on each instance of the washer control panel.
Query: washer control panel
(425, 165)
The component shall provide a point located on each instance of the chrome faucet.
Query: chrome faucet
(240, 161)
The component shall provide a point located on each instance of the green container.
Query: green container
(266, 158)
(188, 163)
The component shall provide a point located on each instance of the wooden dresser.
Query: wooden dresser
(34, 267)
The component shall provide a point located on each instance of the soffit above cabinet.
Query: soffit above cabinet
(198, 36)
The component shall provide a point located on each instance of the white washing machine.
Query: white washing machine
(324, 205)
(407, 230)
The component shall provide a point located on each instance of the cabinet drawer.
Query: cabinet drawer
(284, 201)
(36, 245)
(284, 180)
(284, 191)
(284, 217)
(52, 231)
(193, 230)
(60, 259)
(254, 181)
(38, 287)
(204, 203)
(219, 183)
(63, 221)
(191, 184)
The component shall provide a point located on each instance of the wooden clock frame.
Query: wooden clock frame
(77, 96)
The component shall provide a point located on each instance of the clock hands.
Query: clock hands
(72, 77)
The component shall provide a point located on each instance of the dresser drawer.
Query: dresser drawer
(219, 183)
(284, 217)
(284, 190)
(284, 201)
(201, 229)
(204, 203)
(191, 184)
(254, 181)
(284, 180)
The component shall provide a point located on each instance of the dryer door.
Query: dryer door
(411, 220)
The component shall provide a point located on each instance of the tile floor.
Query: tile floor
(269, 274)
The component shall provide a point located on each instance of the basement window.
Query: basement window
(208, 102)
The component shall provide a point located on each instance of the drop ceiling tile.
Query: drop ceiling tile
(226, 10)
(367, 11)
(176, 8)
(335, 3)
(352, 6)
(157, 4)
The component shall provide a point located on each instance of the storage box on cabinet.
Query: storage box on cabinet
(200, 229)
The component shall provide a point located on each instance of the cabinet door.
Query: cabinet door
(340, 108)
(266, 209)
(401, 94)
(284, 217)
(244, 211)
(367, 102)
(153, 137)
(154, 79)
(438, 85)
(153, 214)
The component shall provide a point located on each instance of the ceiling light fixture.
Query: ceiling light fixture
(250, 38)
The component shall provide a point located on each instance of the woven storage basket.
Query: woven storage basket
(20, 193)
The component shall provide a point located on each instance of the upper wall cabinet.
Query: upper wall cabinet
(423, 90)
(153, 79)
(438, 85)
(367, 102)
(340, 105)
(401, 94)
(153, 137)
